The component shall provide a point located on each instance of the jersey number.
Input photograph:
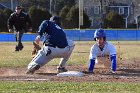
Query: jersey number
(58, 27)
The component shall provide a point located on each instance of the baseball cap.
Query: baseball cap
(18, 7)
(54, 18)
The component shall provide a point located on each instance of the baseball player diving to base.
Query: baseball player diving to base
(55, 45)
(102, 52)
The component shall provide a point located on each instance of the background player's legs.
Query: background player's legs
(18, 37)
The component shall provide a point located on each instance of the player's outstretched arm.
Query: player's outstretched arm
(91, 65)
(113, 63)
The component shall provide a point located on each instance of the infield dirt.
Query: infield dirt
(126, 72)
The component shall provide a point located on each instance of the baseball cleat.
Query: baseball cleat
(88, 72)
(21, 48)
(33, 69)
(61, 69)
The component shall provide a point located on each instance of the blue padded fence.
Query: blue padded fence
(82, 35)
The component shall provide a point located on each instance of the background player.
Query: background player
(18, 20)
(55, 44)
(102, 51)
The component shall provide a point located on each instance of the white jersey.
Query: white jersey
(102, 56)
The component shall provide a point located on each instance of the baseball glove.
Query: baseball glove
(35, 49)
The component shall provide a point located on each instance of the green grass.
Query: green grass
(127, 50)
(20, 59)
(68, 87)
(14, 59)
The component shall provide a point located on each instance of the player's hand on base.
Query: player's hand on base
(113, 72)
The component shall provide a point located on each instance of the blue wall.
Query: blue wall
(111, 34)
(82, 35)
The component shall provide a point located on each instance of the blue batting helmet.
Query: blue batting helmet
(99, 33)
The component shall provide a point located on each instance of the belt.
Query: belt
(54, 46)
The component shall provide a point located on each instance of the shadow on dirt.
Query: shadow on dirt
(48, 74)
(130, 72)
(127, 72)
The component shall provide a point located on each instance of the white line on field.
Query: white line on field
(31, 79)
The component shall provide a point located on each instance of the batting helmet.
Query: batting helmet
(99, 33)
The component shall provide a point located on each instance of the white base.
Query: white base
(71, 73)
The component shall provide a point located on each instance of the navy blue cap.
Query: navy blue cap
(54, 18)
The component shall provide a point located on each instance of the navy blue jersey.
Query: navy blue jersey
(54, 35)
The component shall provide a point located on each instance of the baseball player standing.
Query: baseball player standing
(19, 20)
(55, 45)
(102, 51)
